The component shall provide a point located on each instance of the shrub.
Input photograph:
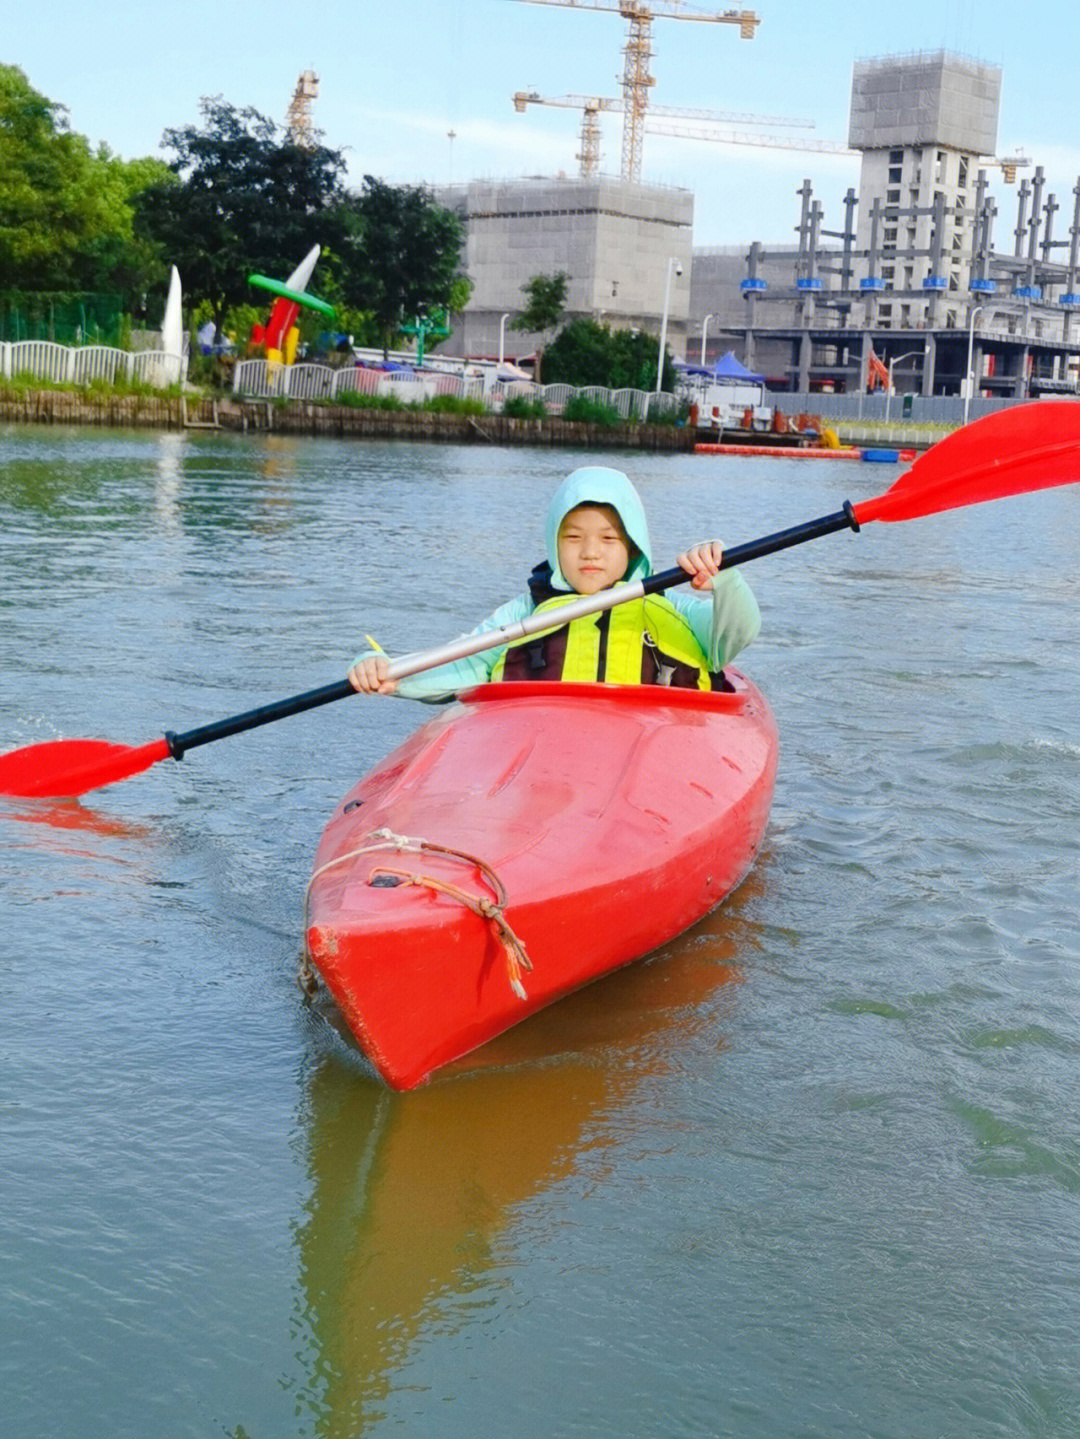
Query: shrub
(354, 400)
(26, 382)
(586, 353)
(591, 412)
(676, 416)
(454, 405)
(520, 407)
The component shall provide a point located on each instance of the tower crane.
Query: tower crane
(298, 124)
(1009, 164)
(637, 77)
(674, 120)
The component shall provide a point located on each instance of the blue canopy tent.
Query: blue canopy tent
(727, 367)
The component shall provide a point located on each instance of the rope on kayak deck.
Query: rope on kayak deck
(490, 909)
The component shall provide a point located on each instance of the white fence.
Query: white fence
(867, 410)
(257, 379)
(83, 364)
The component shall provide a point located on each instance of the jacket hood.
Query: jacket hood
(595, 485)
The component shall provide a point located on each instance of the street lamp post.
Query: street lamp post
(672, 265)
(907, 355)
(704, 332)
(969, 378)
(502, 337)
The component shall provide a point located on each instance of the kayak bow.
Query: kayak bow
(526, 841)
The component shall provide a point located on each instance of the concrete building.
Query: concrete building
(615, 240)
(923, 124)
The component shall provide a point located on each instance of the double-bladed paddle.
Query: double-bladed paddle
(1029, 447)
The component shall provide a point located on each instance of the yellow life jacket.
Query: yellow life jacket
(644, 641)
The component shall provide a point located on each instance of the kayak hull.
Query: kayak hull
(569, 827)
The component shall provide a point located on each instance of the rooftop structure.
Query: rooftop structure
(925, 99)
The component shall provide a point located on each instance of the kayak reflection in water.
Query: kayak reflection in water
(597, 537)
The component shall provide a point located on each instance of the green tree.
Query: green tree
(126, 260)
(240, 200)
(587, 353)
(400, 255)
(545, 308)
(65, 209)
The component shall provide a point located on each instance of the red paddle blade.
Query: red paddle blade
(65, 768)
(1030, 447)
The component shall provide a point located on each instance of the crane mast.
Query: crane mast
(298, 124)
(637, 72)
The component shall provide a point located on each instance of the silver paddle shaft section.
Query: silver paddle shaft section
(459, 649)
(533, 624)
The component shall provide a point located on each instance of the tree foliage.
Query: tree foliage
(239, 201)
(587, 353)
(400, 255)
(545, 308)
(546, 303)
(65, 209)
(236, 196)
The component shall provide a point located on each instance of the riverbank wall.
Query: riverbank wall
(297, 417)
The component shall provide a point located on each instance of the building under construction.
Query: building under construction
(616, 241)
(913, 278)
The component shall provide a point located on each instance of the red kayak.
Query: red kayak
(530, 838)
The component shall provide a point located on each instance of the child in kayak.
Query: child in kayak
(597, 537)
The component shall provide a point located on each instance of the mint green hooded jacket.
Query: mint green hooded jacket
(724, 624)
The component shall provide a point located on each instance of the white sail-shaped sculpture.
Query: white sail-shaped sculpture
(169, 365)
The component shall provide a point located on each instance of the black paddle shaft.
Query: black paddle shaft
(251, 719)
(342, 689)
(843, 519)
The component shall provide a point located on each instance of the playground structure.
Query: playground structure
(280, 336)
(436, 325)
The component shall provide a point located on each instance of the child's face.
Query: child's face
(594, 552)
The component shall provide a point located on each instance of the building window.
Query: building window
(895, 174)
(962, 177)
(892, 197)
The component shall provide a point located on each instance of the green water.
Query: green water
(813, 1170)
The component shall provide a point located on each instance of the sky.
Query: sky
(419, 91)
